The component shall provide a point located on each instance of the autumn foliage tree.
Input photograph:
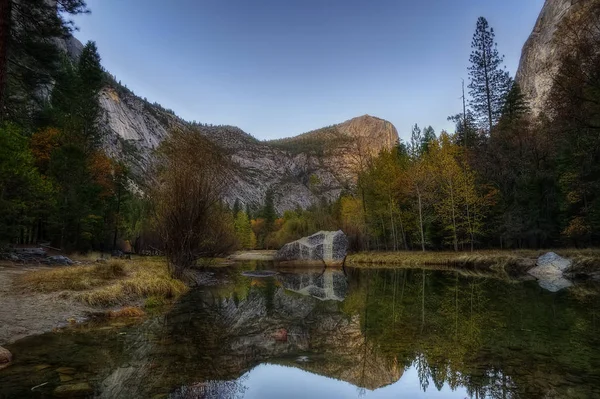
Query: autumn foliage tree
(191, 176)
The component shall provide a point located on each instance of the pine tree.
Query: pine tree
(91, 78)
(78, 165)
(428, 136)
(466, 129)
(243, 231)
(416, 141)
(237, 208)
(489, 82)
(269, 213)
(29, 57)
(515, 105)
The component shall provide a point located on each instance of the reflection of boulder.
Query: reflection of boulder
(327, 246)
(549, 272)
(328, 285)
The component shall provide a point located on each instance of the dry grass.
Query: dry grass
(112, 283)
(512, 262)
(128, 311)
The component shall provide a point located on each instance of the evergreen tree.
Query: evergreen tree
(29, 57)
(82, 171)
(489, 82)
(466, 130)
(91, 78)
(243, 231)
(249, 211)
(268, 212)
(24, 194)
(236, 208)
(428, 137)
(416, 142)
(515, 105)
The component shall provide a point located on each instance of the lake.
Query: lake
(309, 333)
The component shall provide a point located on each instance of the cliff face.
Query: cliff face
(541, 54)
(300, 170)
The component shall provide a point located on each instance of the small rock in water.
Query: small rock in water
(66, 370)
(259, 273)
(65, 378)
(73, 390)
(552, 260)
(5, 357)
(549, 272)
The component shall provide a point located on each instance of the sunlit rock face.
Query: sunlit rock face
(541, 53)
(329, 247)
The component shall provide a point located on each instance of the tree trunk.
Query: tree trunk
(5, 25)
(421, 221)
(487, 89)
(402, 232)
(394, 238)
(117, 217)
(464, 115)
(453, 219)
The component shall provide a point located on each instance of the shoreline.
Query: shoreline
(30, 308)
(25, 313)
(585, 262)
(37, 299)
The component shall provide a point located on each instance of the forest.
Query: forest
(505, 178)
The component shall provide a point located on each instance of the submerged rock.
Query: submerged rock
(5, 357)
(549, 271)
(81, 389)
(259, 273)
(330, 247)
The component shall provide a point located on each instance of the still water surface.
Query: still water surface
(314, 334)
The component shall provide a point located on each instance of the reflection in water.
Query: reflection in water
(409, 333)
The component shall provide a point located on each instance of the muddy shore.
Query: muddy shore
(24, 313)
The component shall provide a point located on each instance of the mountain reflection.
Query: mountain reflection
(373, 333)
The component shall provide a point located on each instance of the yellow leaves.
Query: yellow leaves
(102, 169)
(577, 228)
(42, 144)
(352, 214)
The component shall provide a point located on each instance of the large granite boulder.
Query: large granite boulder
(549, 271)
(330, 247)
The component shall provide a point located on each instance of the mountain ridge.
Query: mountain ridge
(134, 128)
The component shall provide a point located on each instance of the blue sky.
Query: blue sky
(278, 68)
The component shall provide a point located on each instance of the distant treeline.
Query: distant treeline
(505, 178)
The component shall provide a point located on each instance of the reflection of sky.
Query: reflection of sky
(270, 381)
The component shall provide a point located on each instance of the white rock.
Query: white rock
(549, 271)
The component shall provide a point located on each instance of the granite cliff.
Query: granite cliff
(541, 54)
(320, 168)
(300, 170)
